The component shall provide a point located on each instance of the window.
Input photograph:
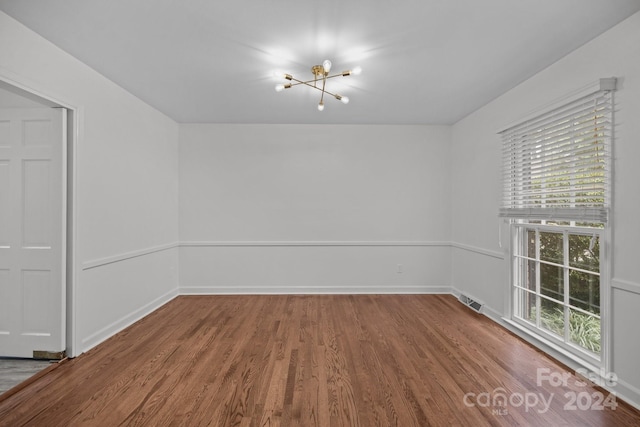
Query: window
(556, 283)
(556, 193)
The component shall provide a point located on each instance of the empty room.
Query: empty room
(278, 212)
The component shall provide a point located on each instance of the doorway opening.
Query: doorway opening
(13, 96)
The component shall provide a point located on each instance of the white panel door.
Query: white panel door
(32, 213)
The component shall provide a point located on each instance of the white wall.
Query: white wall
(126, 165)
(314, 208)
(476, 184)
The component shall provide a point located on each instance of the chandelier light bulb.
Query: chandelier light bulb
(326, 65)
(279, 88)
(321, 106)
(356, 71)
(344, 99)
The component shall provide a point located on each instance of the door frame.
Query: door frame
(69, 196)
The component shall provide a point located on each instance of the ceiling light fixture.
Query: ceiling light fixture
(320, 75)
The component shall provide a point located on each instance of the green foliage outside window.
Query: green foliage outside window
(584, 330)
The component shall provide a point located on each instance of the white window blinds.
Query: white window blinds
(557, 165)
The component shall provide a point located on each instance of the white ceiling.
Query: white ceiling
(424, 61)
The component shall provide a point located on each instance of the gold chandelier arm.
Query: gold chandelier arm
(324, 82)
(345, 74)
(308, 83)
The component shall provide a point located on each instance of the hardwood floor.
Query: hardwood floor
(362, 360)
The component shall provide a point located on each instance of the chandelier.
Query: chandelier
(320, 77)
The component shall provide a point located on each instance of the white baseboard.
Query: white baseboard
(303, 290)
(126, 321)
(628, 393)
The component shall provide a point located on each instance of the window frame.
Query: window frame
(518, 229)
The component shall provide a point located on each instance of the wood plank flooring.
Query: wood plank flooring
(321, 360)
